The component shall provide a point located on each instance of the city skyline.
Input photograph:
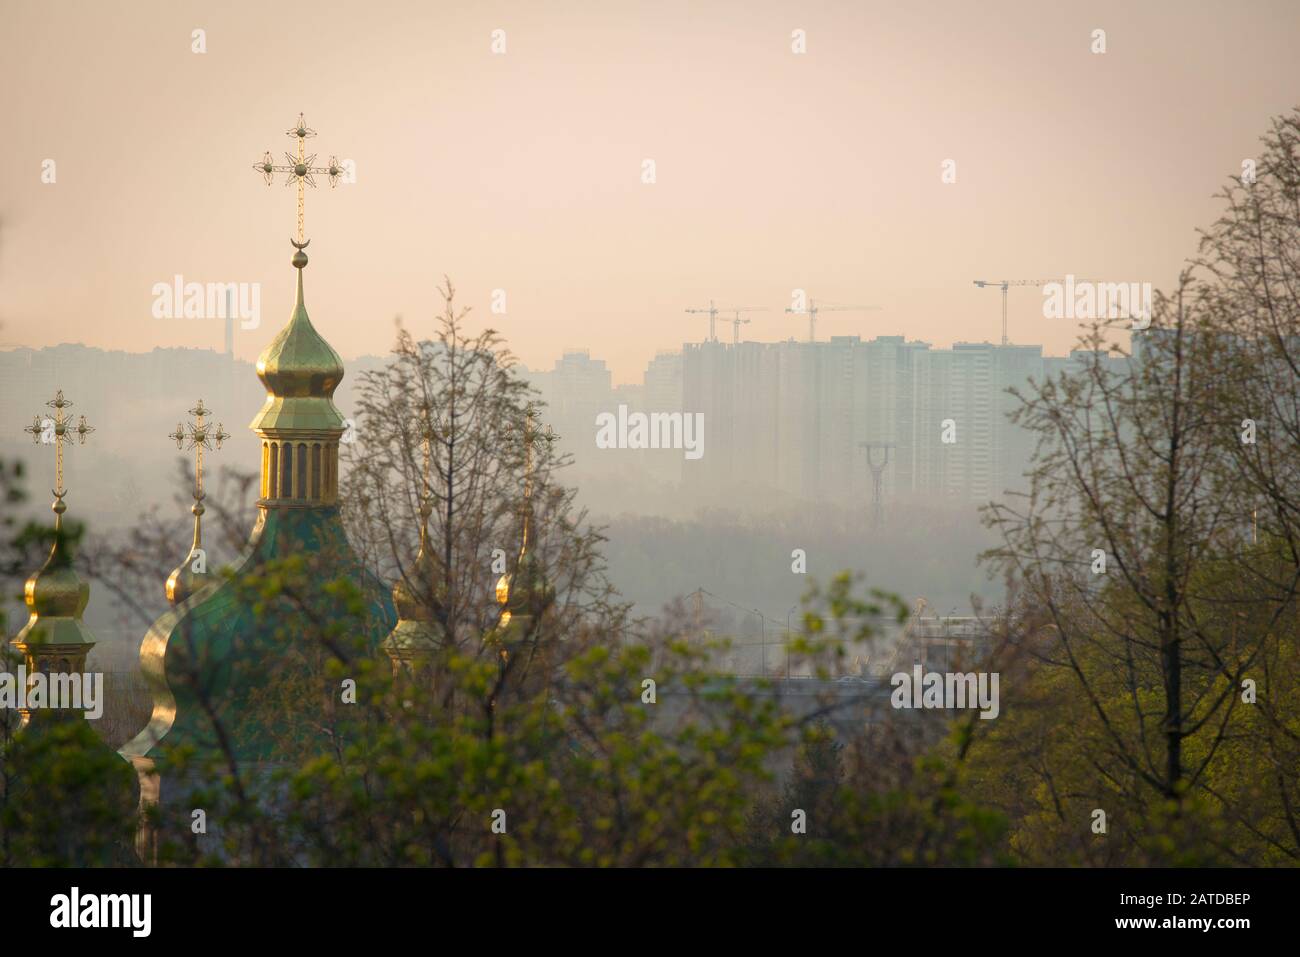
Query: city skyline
(741, 434)
(783, 419)
(578, 348)
(774, 170)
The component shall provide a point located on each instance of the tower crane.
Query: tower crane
(813, 309)
(737, 321)
(1004, 284)
(712, 313)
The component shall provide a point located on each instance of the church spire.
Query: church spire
(55, 640)
(60, 698)
(299, 425)
(517, 592)
(192, 573)
(195, 654)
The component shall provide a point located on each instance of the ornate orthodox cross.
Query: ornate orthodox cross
(58, 431)
(427, 436)
(300, 168)
(201, 435)
(532, 440)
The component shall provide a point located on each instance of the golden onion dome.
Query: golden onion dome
(300, 371)
(426, 569)
(56, 591)
(184, 581)
(415, 636)
(526, 590)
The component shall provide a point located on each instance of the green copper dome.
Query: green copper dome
(240, 650)
(218, 652)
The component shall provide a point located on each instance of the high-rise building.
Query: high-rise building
(579, 391)
(663, 382)
(796, 417)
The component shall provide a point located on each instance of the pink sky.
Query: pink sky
(522, 171)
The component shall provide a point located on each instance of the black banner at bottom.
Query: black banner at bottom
(302, 906)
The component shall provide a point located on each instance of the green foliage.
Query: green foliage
(1147, 715)
(66, 799)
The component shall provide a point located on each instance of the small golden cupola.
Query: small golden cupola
(192, 574)
(419, 599)
(61, 697)
(419, 595)
(299, 425)
(55, 640)
(525, 591)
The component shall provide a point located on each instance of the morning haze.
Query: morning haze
(753, 501)
(523, 172)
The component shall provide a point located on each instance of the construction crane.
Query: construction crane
(712, 313)
(813, 309)
(736, 322)
(1004, 284)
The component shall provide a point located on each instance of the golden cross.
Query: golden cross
(531, 414)
(201, 436)
(58, 431)
(299, 168)
(426, 506)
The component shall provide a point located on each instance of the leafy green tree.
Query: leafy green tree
(1156, 563)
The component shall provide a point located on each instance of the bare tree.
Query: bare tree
(1119, 539)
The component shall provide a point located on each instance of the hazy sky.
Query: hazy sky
(523, 171)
